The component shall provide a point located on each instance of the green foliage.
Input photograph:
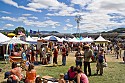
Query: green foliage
(19, 29)
(118, 30)
(114, 73)
(4, 33)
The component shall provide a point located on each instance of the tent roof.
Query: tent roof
(31, 39)
(87, 39)
(74, 40)
(100, 39)
(14, 40)
(52, 38)
(3, 37)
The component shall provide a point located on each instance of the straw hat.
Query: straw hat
(87, 45)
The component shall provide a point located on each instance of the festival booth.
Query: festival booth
(101, 40)
(74, 40)
(87, 39)
(41, 42)
(9, 46)
(52, 38)
(31, 40)
(2, 47)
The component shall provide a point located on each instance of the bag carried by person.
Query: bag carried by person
(66, 76)
(105, 64)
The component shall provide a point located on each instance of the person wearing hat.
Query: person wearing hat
(87, 56)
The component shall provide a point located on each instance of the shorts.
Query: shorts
(78, 63)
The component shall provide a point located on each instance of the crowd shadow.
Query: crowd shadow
(121, 63)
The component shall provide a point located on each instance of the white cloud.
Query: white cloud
(26, 15)
(67, 20)
(69, 25)
(80, 2)
(29, 8)
(10, 2)
(8, 18)
(37, 6)
(47, 18)
(65, 28)
(32, 22)
(107, 5)
(98, 19)
(33, 17)
(47, 2)
(5, 12)
(8, 25)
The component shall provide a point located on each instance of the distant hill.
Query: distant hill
(6, 30)
(118, 30)
(49, 32)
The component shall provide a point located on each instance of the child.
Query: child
(61, 79)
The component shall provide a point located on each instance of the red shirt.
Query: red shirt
(71, 73)
(55, 53)
(64, 51)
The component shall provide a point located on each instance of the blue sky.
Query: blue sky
(59, 15)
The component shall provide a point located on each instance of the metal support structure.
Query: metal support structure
(78, 19)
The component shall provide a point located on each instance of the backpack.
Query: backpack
(100, 58)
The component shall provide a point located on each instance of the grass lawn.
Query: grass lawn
(114, 73)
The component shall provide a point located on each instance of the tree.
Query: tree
(19, 29)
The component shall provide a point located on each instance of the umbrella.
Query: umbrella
(11, 34)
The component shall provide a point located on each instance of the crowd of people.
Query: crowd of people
(84, 53)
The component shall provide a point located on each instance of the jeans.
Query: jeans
(55, 60)
(87, 64)
(64, 60)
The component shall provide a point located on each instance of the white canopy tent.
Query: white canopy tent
(30, 39)
(62, 39)
(53, 37)
(13, 40)
(101, 39)
(3, 38)
(87, 40)
(74, 40)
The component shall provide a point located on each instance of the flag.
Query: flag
(31, 31)
(26, 33)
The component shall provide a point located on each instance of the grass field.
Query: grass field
(114, 73)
